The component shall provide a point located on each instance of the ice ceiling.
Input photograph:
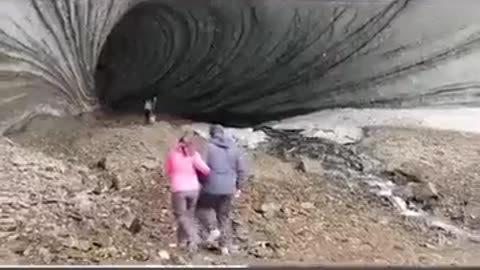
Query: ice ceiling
(238, 61)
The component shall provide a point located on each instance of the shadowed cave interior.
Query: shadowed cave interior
(237, 64)
(178, 51)
(241, 63)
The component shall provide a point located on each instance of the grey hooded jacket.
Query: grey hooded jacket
(227, 168)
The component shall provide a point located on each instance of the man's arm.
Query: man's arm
(241, 168)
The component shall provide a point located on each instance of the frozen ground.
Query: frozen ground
(458, 119)
(345, 125)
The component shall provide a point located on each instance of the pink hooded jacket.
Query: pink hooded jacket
(182, 169)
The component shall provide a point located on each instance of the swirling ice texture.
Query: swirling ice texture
(254, 60)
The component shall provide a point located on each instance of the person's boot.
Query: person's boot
(225, 251)
(192, 248)
(182, 244)
(213, 236)
(152, 119)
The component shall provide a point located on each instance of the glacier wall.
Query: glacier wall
(237, 61)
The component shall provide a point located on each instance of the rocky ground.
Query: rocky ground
(88, 190)
(448, 160)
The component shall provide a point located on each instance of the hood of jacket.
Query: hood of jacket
(222, 141)
(219, 138)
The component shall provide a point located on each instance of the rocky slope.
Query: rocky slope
(88, 190)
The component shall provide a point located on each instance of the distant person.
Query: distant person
(149, 109)
(182, 165)
(227, 174)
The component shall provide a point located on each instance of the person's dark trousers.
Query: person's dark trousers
(147, 114)
(213, 210)
(184, 205)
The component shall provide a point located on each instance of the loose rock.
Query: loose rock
(149, 165)
(19, 246)
(45, 255)
(8, 225)
(102, 163)
(82, 245)
(132, 223)
(164, 255)
(268, 209)
(242, 234)
(8, 257)
(424, 191)
(473, 211)
(307, 205)
(262, 250)
(311, 166)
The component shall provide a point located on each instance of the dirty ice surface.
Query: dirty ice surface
(345, 125)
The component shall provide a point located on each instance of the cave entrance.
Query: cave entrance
(174, 49)
(136, 64)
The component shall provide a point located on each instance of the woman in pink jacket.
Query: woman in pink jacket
(182, 166)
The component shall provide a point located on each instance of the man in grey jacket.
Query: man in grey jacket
(227, 174)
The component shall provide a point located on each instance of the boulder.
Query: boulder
(310, 166)
(8, 257)
(405, 173)
(262, 249)
(338, 134)
(45, 255)
(102, 163)
(104, 182)
(77, 244)
(400, 177)
(83, 204)
(150, 165)
(7, 225)
(19, 245)
(424, 192)
(307, 205)
(131, 222)
(164, 255)
(268, 210)
(472, 210)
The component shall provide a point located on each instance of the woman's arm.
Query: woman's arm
(200, 165)
(167, 166)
